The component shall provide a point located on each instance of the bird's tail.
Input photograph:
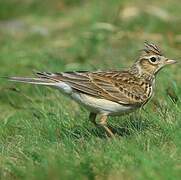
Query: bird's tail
(31, 80)
(48, 81)
(44, 78)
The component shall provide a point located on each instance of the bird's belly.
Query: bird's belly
(102, 106)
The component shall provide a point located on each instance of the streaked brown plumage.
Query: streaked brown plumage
(109, 92)
(115, 86)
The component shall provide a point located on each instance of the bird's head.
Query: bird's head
(151, 60)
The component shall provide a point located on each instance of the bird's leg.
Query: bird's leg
(103, 123)
(92, 118)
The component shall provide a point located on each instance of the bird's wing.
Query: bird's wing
(120, 87)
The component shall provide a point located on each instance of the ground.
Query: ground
(44, 135)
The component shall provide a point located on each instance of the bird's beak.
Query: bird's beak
(170, 61)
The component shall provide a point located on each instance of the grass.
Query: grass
(44, 135)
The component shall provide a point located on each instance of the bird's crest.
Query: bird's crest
(151, 48)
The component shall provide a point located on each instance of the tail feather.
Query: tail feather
(39, 81)
(47, 81)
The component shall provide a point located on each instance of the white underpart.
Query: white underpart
(65, 88)
(96, 105)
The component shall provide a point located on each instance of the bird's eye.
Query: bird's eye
(153, 59)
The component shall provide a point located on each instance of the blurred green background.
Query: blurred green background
(44, 135)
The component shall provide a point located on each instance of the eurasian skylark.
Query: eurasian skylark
(108, 93)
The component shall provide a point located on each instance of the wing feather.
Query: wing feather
(113, 86)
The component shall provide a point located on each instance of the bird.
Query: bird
(109, 92)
